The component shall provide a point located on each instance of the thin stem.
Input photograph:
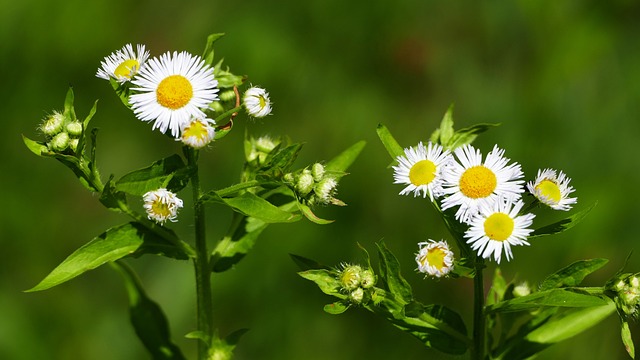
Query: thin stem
(201, 263)
(479, 319)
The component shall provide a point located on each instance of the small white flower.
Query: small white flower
(471, 183)
(325, 189)
(173, 89)
(256, 101)
(497, 227)
(434, 258)
(421, 169)
(161, 205)
(123, 64)
(552, 189)
(53, 124)
(198, 133)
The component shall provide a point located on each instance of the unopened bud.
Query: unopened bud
(317, 170)
(59, 142)
(52, 124)
(305, 182)
(74, 128)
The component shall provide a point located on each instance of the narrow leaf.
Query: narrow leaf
(467, 135)
(627, 340)
(308, 213)
(148, 319)
(92, 112)
(562, 225)
(446, 128)
(252, 205)
(342, 162)
(114, 244)
(573, 274)
(390, 273)
(69, 111)
(336, 308)
(36, 147)
(307, 264)
(231, 249)
(393, 148)
(155, 176)
(326, 281)
(563, 297)
(112, 198)
(207, 56)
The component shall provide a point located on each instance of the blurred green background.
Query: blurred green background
(563, 78)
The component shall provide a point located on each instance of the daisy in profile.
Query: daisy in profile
(421, 169)
(497, 227)
(256, 102)
(552, 189)
(471, 183)
(161, 205)
(123, 64)
(198, 133)
(434, 258)
(172, 89)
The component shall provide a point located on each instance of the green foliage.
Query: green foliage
(451, 139)
(573, 274)
(562, 225)
(170, 173)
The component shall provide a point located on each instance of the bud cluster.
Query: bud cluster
(61, 132)
(356, 282)
(625, 291)
(314, 185)
(257, 150)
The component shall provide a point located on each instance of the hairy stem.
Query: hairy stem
(479, 318)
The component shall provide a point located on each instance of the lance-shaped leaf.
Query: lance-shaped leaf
(564, 297)
(309, 214)
(573, 274)
(112, 198)
(390, 274)
(444, 133)
(207, 56)
(307, 264)
(437, 326)
(627, 340)
(326, 281)
(116, 243)
(393, 148)
(252, 205)
(36, 147)
(342, 162)
(562, 225)
(169, 172)
(148, 319)
(69, 111)
(467, 135)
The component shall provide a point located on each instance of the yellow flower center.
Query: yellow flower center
(478, 182)
(127, 68)
(161, 209)
(197, 129)
(550, 190)
(262, 101)
(422, 173)
(435, 257)
(498, 226)
(174, 92)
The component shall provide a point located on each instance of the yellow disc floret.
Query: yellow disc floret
(196, 129)
(550, 190)
(127, 68)
(160, 208)
(435, 257)
(174, 92)
(478, 182)
(498, 226)
(422, 173)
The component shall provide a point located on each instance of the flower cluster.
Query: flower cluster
(62, 132)
(315, 185)
(174, 92)
(625, 291)
(356, 282)
(486, 194)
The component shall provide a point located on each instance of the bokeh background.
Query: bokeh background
(563, 78)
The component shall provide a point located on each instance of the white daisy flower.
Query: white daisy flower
(471, 183)
(552, 189)
(256, 101)
(172, 89)
(421, 169)
(198, 133)
(434, 258)
(123, 64)
(161, 205)
(498, 226)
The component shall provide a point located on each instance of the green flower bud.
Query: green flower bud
(368, 279)
(228, 95)
(317, 170)
(52, 124)
(216, 106)
(325, 189)
(266, 144)
(288, 178)
(74, 128)
(521, 290)
(59, 142)
(356, 295)
(73, 144)
(350, 277)
(305, 182)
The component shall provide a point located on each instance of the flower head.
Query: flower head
(52, 124)
(421, 169)
(552, 189)
(498, 226)
(350, 277)
(434, 258)
(198, 133)
(472, 183)
(172, 89)
(256, 102)
(624, 289)
(161, 205)
(123, 64)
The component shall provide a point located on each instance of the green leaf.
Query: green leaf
(562, 225)
(36, 147)
(207, 56)
(390, 274)
(308, 213)
(116, 243)
(627, 340)
(336, 308)
(393, 148)
(563, 297)
(111, 198)
(437, 326)
(467, 135)
(92, 112)
(307, 264)
(326, 281)
(122, 90)
(252, 205)
(573, 274)
(147, 318)
(155, 176)
(225, 78)
(223, 130)
(446, 128)
(69, 111)
(342, 162)
(284, 158)
(498, 288)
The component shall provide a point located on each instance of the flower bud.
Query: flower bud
(305, 182)
(256, 102)
(350, 277)
(317, 170)
(521, 290)
(74, 128)
(73, 144)
(266, 144)
(368, 279)
(325, 189)
(59, 142)
(52, 124)
(228, 95)
(356, 295)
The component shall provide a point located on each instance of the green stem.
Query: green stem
(227, 113)
(479, 319)
(201, 263)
